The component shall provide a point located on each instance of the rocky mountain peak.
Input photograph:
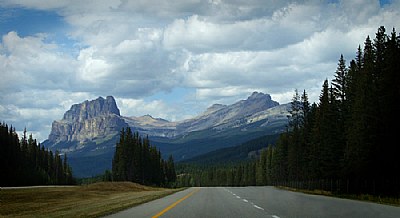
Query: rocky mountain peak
(150, 119)
(259, 95)
(91, 109)
(257, 101)
(220, 116)
(87, 120)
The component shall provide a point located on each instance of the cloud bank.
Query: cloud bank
(194, 52)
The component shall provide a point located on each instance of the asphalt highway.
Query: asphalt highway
(253, 202)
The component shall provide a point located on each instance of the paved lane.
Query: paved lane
(150, 209)
(255, 202)
(216, 202)
(293, 204)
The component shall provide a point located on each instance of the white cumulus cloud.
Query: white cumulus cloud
(219, 50)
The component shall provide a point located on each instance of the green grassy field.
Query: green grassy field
(92, 200)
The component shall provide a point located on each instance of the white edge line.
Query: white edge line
(258, 207)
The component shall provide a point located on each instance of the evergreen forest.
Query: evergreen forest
(24, 162)
(345, 143)
(136, 160)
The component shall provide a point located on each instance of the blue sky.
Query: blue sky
(30, 21)
(172, 60)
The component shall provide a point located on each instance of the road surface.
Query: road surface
(255, 202)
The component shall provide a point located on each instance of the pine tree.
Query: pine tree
(261, 166)
(390, 96)
(171, 174)
(296, 122)
(118, 164)
(280, 161)
(269, 164)
(339, 82)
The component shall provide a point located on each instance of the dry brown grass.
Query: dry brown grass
(93, 200)
(362, 197)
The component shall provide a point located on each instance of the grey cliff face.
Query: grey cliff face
(88, 120)
(91, 109)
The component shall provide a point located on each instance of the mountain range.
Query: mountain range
(88, 131)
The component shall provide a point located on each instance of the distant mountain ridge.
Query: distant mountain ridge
(226, 116)
(90, 129)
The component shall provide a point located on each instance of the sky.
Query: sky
(172, 59)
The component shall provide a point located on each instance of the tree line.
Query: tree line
(25, 162)
(233, 174)
(345, 143)
(349, 137)
(136, 160)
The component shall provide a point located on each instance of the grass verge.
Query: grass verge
(362, 197)
(94, 200)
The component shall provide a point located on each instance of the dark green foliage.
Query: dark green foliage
(347, 143)
(230, 166)
(25, 162)
(349, 137)
(234, 154)
(241, 174)
(136, 160)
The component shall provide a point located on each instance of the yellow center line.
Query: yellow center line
(174, 204)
